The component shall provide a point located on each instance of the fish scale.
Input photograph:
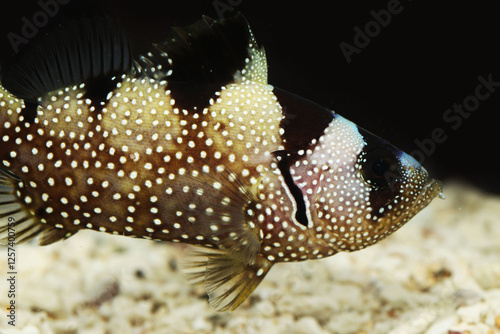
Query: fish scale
(205, 154)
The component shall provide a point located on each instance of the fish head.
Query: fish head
(358, 188)
(396, 185)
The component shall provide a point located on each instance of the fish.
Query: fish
(189, 143)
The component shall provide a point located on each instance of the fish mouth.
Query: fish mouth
(430, 190)
(433, 188)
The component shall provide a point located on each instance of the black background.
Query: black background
(427, 59)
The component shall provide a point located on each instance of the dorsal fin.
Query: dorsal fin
(208, 51)
(83, 51)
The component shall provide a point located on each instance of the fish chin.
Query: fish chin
(431, 189)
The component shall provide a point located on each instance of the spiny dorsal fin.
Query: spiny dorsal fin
(83, 51)
(208, 51)
(17, 225)
(227, 280)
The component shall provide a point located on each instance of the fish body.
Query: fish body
(175, 147)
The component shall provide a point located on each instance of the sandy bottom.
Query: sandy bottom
(440, 274)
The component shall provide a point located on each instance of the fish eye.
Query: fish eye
(380, 167)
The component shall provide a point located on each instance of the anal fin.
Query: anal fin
(17, 224)
(228, 280)
(52, 234)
